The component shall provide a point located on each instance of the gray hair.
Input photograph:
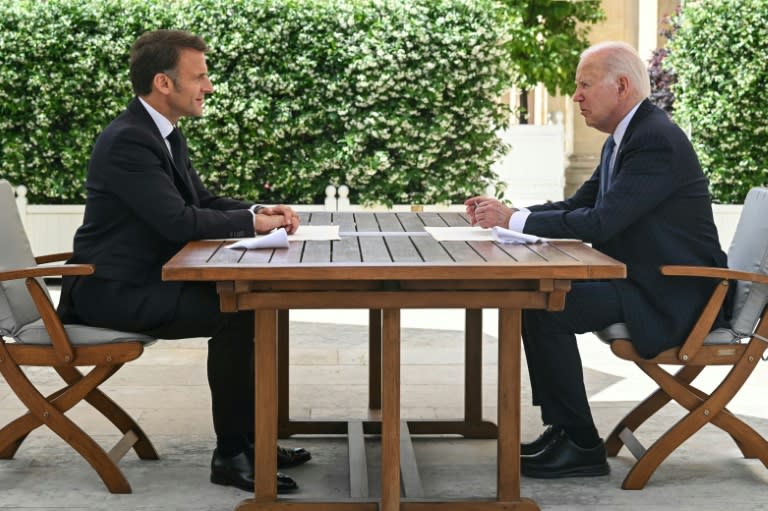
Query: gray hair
(621, 59)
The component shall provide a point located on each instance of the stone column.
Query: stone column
(622, 23)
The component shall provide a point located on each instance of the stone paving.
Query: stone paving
(166, 392)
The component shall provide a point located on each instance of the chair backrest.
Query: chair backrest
(16, 306)
(749, 252)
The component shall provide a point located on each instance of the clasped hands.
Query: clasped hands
(488, 212)
(273, 217)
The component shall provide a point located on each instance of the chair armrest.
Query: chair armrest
(59, 270)
(59, 339)
(717, 273)
(51, 258)
(703, 325)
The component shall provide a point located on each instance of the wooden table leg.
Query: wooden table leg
(374, 361)
(473, 366)
(283, 373)
(265, 381)
(509, 406)
(390, 412)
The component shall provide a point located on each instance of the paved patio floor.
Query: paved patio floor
(166, 391)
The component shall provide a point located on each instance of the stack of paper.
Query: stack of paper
(503, 235)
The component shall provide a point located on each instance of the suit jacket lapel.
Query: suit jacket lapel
(178, 171)
(645, 108)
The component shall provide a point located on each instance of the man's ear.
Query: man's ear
(163, 83)
(622, 86)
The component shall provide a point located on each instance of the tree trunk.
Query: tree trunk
(523, 108)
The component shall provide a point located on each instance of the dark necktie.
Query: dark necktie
(182, 173)
(605, 164)
(174, 137)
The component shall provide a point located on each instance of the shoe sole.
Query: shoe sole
(583, 471)
(225, 481)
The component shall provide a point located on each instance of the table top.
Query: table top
(399, 256)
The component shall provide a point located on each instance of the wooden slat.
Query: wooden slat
(389, 222)
(461, 251)
(43, 355)
(411, 222)
(122, 446)
(358, 464)
(431, 250)
(374, 250)
(394, 299)
(409, 469)
(316, 252)
(224, 255)
(455, 219)
(289, 256)
(403, 250)
(366, 222)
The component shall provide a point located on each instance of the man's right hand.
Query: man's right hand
(488, 212)
(269, 218)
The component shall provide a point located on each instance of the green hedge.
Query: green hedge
(394, 98)
(720, 55)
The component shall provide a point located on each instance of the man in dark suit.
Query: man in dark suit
(647, 204)
(144, 202)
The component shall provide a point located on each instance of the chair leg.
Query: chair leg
(749, 441)
(701, 413)
(13, 434)
(645, 410)
(51, 414)
(113, 412)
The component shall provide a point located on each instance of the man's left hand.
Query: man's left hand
(277, 216)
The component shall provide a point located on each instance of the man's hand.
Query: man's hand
(269, 218)
(488, 212)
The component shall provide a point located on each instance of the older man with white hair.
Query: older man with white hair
(647, 204)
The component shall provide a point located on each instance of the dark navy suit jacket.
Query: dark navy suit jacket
(657, 211)
(141, 208)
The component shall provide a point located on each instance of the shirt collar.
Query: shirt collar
(163, 124)
(618, 133)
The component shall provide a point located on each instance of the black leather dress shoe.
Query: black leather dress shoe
(237, 471)
(563, 458)
(292, 457)
(547, 437)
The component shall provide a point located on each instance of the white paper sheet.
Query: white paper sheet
(280, 239)
(316, 233)
(503, 235)
(275, 239)
(460, 233)
(498, 234)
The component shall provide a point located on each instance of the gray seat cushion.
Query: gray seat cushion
(19, 319)
(749, 253)
(620, 331)
(79, 335)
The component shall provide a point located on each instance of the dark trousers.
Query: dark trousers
(554, 363)
(162, 310)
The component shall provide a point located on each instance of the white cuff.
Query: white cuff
(518, 218)
(254, 209)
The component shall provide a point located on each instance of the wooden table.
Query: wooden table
(402, 268)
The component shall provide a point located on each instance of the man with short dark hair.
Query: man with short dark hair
(647, 204)
(144, 201)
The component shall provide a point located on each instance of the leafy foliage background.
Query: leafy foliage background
(395, 98)
(720, 56)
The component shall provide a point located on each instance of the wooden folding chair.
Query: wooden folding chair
(741, 346)
(31, 334)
